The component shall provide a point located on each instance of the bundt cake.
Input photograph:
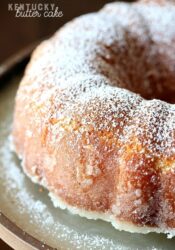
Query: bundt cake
(94, 119)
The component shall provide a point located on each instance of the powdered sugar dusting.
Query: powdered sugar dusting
(36, 218)
(20, 202)
(39, 218)
(78, 95)
(78, 73)
(29, 208)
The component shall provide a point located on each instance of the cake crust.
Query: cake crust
(89, 124)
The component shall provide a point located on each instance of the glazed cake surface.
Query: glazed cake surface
(89, 124)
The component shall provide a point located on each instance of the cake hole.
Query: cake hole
(153, 80)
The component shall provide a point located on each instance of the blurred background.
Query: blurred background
(19, 32)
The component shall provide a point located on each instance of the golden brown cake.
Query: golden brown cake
(91, 123)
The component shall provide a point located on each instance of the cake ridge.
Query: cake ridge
(91, 117)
